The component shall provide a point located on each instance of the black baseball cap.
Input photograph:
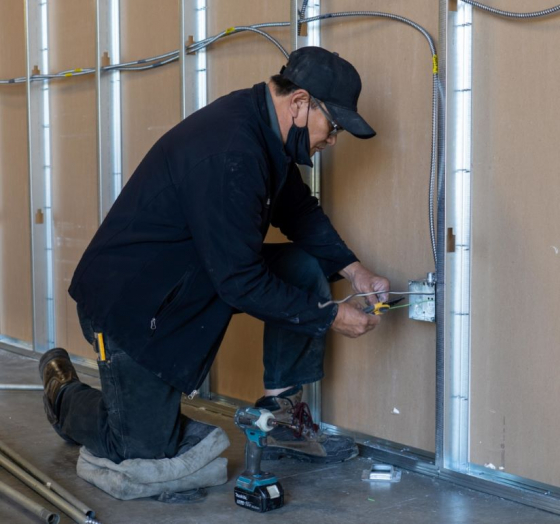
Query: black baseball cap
(331, 80)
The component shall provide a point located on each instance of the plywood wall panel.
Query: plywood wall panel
(238, 62)
(376, 193)
(150, 99)
(516, 243)
(74, 149)
(244, 59)
(15, 256)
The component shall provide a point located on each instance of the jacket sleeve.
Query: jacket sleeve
(224, 199)
(300, 217)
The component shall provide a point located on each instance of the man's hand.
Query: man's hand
(364, 281)
(352, 322)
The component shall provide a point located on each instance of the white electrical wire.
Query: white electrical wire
(357, 295)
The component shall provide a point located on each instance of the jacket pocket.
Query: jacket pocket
(172, 298)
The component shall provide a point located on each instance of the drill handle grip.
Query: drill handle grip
(253, 455)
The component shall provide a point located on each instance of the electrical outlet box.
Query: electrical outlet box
(422, 307)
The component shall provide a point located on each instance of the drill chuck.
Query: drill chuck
(254, 418)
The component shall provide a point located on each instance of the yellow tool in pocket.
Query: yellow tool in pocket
(100, 343)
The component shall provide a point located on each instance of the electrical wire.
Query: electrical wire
(262, 33)
(408, 305)
(356, 295)
(159, 60)
(510, 14)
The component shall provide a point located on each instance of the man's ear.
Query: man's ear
(299, 101)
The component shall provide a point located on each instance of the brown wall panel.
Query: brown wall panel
(516, 243)
(74, 162)
(15, 256)
(376, 193)
(150, 99)
(238, 62)
(244, 59)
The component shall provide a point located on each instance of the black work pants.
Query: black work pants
(137, 415)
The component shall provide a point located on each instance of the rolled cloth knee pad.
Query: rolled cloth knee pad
(197, 467)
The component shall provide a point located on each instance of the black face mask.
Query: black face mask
(298, 145)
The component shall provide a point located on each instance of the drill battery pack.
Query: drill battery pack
(262, 499)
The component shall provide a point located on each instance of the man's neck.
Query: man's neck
(281, 110)
(272, 116)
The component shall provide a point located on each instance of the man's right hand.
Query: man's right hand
(352, 322)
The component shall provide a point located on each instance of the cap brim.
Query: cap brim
(351, 121)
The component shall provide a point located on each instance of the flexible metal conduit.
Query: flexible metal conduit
(510, 14)
(262, 33)
(44, 514)
(166, 58)
(435, 93)
(302, 15)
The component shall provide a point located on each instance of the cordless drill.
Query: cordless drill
(254, 489)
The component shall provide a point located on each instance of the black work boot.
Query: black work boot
(307, 444)
(56, 372)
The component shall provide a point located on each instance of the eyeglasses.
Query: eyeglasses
(335, 127)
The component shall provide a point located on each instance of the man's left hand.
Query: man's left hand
(365, 281)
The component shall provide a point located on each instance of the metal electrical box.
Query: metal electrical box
(422, 306)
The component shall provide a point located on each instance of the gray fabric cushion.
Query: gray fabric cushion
(197, 466)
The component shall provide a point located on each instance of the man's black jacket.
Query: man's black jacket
(180, 250)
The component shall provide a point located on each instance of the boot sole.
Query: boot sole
(271, 453)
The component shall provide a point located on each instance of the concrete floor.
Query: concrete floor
(332, 494)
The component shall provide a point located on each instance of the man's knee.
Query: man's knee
(117, 447)
(299, 268)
